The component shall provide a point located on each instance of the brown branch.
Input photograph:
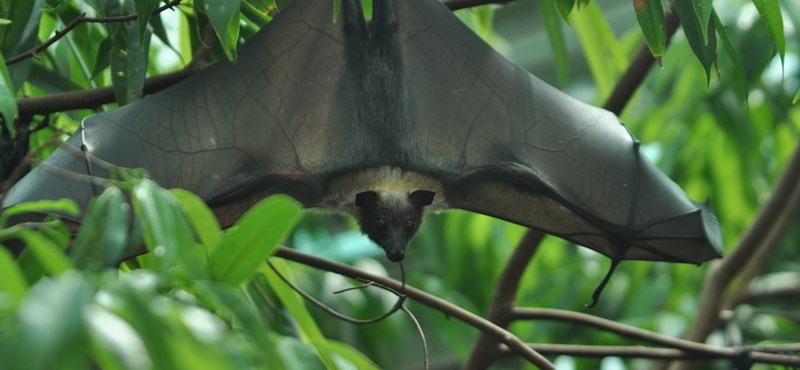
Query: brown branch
(638, 69)
(486, 348)
(93, 98)
(437, 303)
(790, 294)
(661, 353)
(622, 330)
(75, 23)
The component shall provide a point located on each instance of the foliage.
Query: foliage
(717, 116)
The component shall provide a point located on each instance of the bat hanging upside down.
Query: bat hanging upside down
(385, 119)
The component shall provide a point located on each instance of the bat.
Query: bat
(386, 119)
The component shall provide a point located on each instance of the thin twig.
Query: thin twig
(437, 303)
(83, 19)
(425, 360)
(397, 306)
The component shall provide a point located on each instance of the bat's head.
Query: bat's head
(392, 218)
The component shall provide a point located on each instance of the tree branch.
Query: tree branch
(486, 348)
(661, 353)
(448, 308)
(93, 98)
(75, 23)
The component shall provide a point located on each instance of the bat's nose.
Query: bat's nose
(395, 255)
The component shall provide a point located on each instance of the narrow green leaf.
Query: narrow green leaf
(224, 17)
(556, 38)
(45, 206)
(8, 105)
(167, 233)
(352, 355)
(294, 304)
(739, 78)
(565, 8)
(144, 8)
(603, 51)
(254, 238)
(22, 36)
(102, 60)
(203, 221)
(12, 282)
(103, 235)
(45, 251)
(128, 60)
(48, 325)
(697, 33)
(796, 97)
(770, 11)
(650, 15)
(704, 9)
(231, 302)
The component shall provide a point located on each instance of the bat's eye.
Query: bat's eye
(410, 226)
(380, 224)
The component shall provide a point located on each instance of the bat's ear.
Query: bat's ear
(366, 197)
(422, 198)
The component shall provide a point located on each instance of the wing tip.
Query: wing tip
(711, 227)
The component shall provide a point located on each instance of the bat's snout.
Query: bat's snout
(395, 255)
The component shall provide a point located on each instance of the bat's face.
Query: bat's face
(392, 218)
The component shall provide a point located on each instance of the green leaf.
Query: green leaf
(45, 206)
(203, 221)
(103, 235)
(46, 252)
(556, 38)
(697, 33)
(48, 325)
(770, 11)
(144, 8)
(167, 233)
(293, 302)
(650, 15)
(102, 60)
(603, 51)
(128, 60)
(796, 97)
(565, 8)
(8, 104)
(21, 36)
(352, 355)
(230, 302)
(739, 77)
(12, 282)
(224, 17)
(254, 238)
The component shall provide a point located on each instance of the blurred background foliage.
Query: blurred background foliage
(723, 132)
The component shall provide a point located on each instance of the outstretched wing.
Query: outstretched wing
(233, 133)
(508, 145)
